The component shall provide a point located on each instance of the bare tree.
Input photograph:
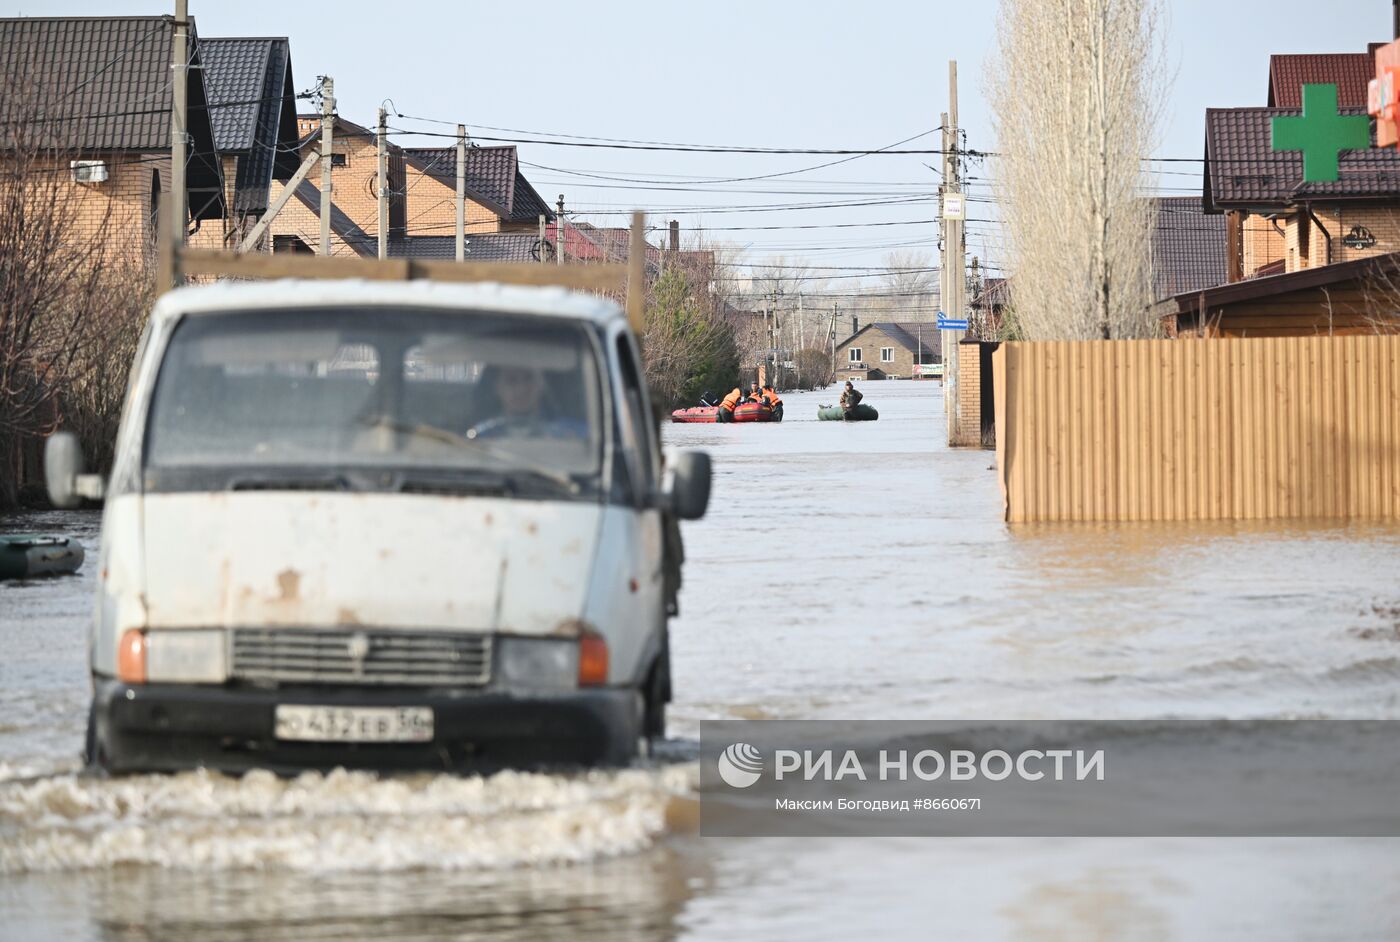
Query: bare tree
(74, 291)
(1070, 173)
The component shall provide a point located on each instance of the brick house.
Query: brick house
(1275, 222)
(105, 82)
(498, 197)
(354, 193)
(887, 350)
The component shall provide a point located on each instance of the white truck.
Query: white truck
(383, 525)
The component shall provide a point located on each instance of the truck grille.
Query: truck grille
(349, 656)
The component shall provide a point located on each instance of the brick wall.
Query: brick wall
(1382, 222)
(354, 189)
(1263, 245)
(968, 430)
(432, 209)
(122, 203)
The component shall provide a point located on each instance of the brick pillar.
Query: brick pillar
(969, 425)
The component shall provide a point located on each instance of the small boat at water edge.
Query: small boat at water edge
(24, 555)
(859, 413)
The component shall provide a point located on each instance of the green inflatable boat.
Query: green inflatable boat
(860, 413)
(23, 555)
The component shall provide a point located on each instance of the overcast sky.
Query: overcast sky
(814, 74)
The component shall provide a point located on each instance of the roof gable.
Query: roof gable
(1349, 71)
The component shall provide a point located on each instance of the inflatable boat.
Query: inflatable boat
(859, 413)
(696, 414)
(23, 555)
(753, 412)
(744, 412)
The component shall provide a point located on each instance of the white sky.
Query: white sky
(818, 74)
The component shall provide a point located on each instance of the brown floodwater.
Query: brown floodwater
(855, 571)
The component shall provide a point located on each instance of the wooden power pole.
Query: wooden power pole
(461, 193)
(179, 136)
(382, 138)
(327, 135)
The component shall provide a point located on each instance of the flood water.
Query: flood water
(845, 571)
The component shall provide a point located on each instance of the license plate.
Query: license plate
(353, 724)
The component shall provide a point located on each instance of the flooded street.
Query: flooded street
(845, 571)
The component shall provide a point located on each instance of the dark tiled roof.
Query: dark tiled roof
(1349, 71)
(1188, 247)
(493, 179)
(254, 113)
(235, 71)
(493, 247)
(342, 225)
(1242, 169)
(103, 84)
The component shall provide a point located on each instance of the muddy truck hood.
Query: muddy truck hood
(386, 560)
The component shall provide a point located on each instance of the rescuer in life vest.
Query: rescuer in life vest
(730, 403)
(774, 403)
(755, 394)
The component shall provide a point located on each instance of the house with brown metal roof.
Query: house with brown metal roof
(97, 90)
(498, 197)
(354, 193)
(1274, 221)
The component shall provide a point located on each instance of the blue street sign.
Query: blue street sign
(952, 325)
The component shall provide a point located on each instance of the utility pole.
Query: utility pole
(179, 137)
(383, 140)
(835, 310)
(327, 136)
(954, 306)
(543, 233)
(559, 230)
(461, 192)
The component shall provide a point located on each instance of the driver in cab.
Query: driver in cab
(523, 408)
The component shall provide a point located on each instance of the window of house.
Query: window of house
(339, 160)
(290, 243)
(855, 355)
(887, 354)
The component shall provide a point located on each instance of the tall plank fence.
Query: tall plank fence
(1213, 429)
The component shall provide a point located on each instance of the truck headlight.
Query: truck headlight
(538, 662)
(196, 656)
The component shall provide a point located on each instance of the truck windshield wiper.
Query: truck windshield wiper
(513, 461)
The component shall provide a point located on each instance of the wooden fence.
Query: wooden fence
(1214, 429)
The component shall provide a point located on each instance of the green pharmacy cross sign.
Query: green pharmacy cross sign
(1321, 133)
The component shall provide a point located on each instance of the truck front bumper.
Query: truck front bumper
(173, 727)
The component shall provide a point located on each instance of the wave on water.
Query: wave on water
(340, 821)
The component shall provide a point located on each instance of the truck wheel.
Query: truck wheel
(92, 754)
(658, 690)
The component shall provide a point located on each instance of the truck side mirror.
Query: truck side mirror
(687, 483)
(63, 472)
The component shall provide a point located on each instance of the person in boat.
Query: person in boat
(755, 394)
(729, 404)
(850, 397)
(774, 403)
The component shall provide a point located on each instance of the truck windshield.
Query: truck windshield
(429, 397)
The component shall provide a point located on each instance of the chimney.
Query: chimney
(676, 231)
(855, 324)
